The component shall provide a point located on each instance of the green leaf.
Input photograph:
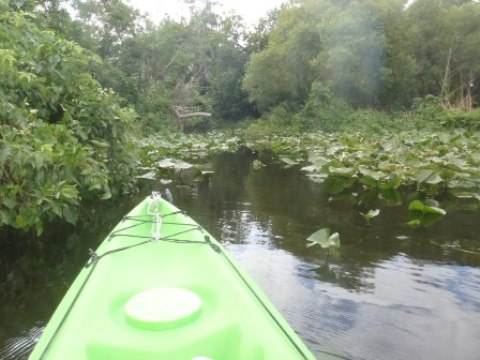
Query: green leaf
(393, 182)
(342, 171)
(369, 182)
(414, 223)
(288, 160)
(423, 176)
(434, 210)
(323, 238)
(106, 195)
(416, 205)
(21, 221)
(434, 179)
(370, 214)
(69, 191)
(9, 202)
(151, 175)
(335, 185)
(70, 214)
(56, 208)
(5, 218)
(375, 175)
(391, 197)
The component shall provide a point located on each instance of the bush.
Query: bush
(459, 118)
(323, 111)
(280, 121)
(62, 137)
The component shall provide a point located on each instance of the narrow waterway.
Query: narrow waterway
(388, 292)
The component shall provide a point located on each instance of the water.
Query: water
(388, 292)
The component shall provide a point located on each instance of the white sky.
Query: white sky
(250, 10)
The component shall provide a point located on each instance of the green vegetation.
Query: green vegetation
(424, 214)
(368, 53)
(62, 136)
(376, 170)
(430, 163)
(323, 238)
(366, 95)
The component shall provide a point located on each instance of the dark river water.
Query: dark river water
(388, 292)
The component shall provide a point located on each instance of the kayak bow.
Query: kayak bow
(160, 287)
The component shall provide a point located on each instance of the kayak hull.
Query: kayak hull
(110, 311)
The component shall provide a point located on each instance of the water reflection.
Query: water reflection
(389, 291)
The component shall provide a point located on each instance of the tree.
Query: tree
(62, 137)
(445, 44)
(106, 24)
(352, 60)
(283, 70)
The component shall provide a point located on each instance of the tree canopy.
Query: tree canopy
(369, 53)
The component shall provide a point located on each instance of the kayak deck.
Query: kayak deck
(232, 318)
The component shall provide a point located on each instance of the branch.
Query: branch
(188, 115)
(183, 112)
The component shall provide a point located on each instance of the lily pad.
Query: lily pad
(417, 205)
(151, 175)
(370, 214)
(323, 238)
(288, 161)
(342, 171)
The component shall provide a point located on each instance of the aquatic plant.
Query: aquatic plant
(370, 215)
(323, 238)
(434, 163)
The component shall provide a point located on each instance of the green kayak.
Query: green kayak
(160, 287)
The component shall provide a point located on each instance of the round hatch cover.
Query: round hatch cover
(161, 308)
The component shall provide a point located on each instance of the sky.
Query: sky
(250, 10)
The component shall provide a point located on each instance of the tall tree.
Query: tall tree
(283, 70)
(446, 44)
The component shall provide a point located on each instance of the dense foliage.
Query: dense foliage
(372, 53)
(62, 137)
(195, 64)
(440, 171)
(432, 163)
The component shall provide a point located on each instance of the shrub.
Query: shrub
(62, 137)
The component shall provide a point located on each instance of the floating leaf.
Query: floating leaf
(334, 185)
(323, 238)
(417, 205)
(342, 171)
(288, 160)
(434, 210)
(415, 223)
(151, 175)
(434, 179)
(422, 214)
(166, 163)
(423, 176)
(375, 175)
(393, 182)
(370, 214)
(310, 168)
